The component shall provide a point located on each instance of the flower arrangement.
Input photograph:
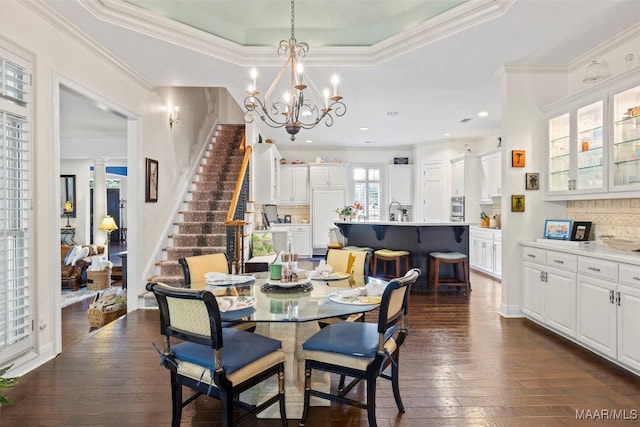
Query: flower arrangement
(349, 210)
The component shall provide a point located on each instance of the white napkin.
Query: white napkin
(374, 289)
(355, 292)
(323, 269)
(224, 304)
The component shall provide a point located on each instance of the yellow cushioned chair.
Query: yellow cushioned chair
(195, 267)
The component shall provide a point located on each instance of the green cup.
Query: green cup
(275, 271)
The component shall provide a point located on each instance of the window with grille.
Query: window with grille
(16, 333)
(366, 190)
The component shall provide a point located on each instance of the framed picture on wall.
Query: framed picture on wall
(532, 181)
(517, 203)
(517, 158)
(151, 181)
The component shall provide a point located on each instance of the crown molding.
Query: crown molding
(453, 21)
(602, 49)
(44, 11)
(531, 69)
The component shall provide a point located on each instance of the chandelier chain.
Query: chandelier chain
(293, 22)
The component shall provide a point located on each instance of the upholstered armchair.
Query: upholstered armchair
(73, 266)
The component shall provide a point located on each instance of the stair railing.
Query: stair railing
(235, 221)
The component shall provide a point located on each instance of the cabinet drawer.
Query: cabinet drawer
(481, 234)
(598, 268)
(303, 228)
(562, 260)
(630, 274)
(533, 255)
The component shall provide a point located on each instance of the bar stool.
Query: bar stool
(458, 261)
(386, 255)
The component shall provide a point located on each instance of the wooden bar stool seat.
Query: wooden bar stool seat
(460, 278)
(386, 255)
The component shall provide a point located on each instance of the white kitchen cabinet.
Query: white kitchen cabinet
(400, 180)
(533, 292)
(491, 180)
(561, 301)
(599, 300)
(597, 320)
(485, 250)
(294, 185)
(265, 173)
(328, 176)
(625, 149)
(576, 148)
(628, 303)
(497, 254)
(299, 236)
(549, 289)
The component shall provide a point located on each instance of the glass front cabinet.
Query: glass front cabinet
(576, 151)
(625, 171)
(594, 144)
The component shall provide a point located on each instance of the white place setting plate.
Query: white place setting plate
(281, 284)
(226, 304)
(331, 277)
(220, 279)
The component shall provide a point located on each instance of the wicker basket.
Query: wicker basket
(98, 318)
(97, 280)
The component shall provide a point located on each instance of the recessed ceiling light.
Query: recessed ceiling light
(447, 134)
(392, 113)
(364, 128)
(483, 114)
(309, 141)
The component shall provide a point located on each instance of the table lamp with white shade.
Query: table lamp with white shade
(108, 224)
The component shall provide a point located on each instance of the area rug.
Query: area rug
(69, 297)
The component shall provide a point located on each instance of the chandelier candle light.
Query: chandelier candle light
(297, 108)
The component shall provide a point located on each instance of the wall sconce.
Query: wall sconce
(174, 116)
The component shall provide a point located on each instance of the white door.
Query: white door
(323, 213)
(433, 192)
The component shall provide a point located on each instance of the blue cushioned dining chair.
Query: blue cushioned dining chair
(215, 361)
(362, 350)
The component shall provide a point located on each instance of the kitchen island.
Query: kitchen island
(419, 238)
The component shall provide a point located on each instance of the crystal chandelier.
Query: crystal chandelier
(297, 108)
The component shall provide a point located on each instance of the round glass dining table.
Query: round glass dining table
(290, 313)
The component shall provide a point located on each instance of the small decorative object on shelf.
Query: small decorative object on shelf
(581, 231)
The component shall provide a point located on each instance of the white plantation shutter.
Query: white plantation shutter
(16, 330)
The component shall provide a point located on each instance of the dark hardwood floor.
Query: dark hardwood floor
(462, 365)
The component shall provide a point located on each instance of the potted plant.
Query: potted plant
(345, 212)
(6, 383)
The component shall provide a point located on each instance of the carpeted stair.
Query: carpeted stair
(201, 228)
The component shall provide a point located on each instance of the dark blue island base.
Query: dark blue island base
(417, 238)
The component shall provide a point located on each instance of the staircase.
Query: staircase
(201, 229)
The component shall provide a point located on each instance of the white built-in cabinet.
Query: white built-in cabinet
(593, 143)
(328, 176)
(294, 185)
(485, 250)
(491, 179)
(400, 179)
(589, 297)
(265, 173)
(299, 236)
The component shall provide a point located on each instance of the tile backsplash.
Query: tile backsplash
(613, 217)
(299, 213)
